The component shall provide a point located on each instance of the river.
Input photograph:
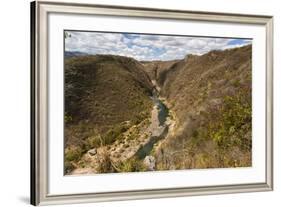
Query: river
(163, 111)
(158, 126)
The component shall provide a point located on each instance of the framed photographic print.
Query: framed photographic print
(134, 103)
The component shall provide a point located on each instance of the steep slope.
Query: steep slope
(189, 113)
(104, 97)
(211, 98)
(156, 69)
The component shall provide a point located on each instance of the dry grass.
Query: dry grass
(211, 98)
(104, 96)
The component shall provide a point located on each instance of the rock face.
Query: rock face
(92, 152)
(149, 163)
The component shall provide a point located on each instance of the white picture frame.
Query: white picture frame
(46, 57)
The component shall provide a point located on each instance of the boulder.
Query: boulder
(93, 151)
(149, 163)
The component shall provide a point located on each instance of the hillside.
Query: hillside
(122, 115)
(104, 96)
(155, 69)
(211, 98)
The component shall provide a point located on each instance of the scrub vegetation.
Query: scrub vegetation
(109, 112)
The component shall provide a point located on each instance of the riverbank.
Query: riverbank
(150, 132)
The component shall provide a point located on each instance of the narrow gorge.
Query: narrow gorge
(124, 115)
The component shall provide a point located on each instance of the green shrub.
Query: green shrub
(131, 165)
(114, 133)
(68, 167)
(92, 142)
(73, 153)
(226, 133)
(233, 123)
(67, 118)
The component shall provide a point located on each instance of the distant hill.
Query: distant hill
(155, 68)
(69, 54)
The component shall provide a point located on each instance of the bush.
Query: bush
(68, 167)
(92, 142)
(67, 118)
(234, 122)
(222, 138)
(131, 165)
(73, 153)
(104, 165)
(112, 134)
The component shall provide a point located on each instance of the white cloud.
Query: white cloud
(147, 47)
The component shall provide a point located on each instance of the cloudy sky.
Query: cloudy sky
(146, 47)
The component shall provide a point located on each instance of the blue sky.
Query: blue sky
(147, 47)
